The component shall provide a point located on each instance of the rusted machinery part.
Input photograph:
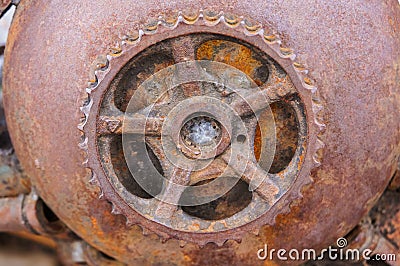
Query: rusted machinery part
(367, 236)
(277, 86)
(28, 213)
(11, 213)
(94, 257)
(386, 218)
(77, 252)
(379, 231)
(43, 240)
(12, 179)
(12, 182)
(358, 93)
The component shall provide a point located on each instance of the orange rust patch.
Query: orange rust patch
(98, 230)
(233, 54)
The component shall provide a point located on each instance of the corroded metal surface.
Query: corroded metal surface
(350, 48)
(11, 213)
(12, 179)
(386, 216)
(30, 214)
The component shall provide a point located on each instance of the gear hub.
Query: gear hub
(201, 131)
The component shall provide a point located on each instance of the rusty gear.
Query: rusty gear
(277, 73)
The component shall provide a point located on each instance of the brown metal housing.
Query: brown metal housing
(351, 49)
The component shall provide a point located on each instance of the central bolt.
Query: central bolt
(201, 131)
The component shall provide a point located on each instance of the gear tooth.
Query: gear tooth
(317, 108)
(101, 196)
(202, 243)
(93, 180)
(255, 231)
(220, 243)
(300, 195)
(182, 243)
(164, 238)
(115, 210)
(238, 240)
(285, 210)
(274, 220)
(316, 161)
(130, 222)
(321, 126)
(84, 144)
(146, 231)
(320, 144)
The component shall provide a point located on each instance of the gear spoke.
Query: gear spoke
(258, 180)
(277, 88)
(214, 170)
(169, 197)
(135, 124)
(253, 101)
(183, 51)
